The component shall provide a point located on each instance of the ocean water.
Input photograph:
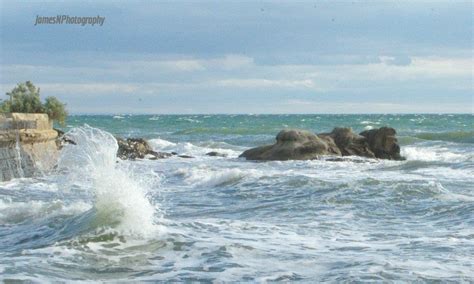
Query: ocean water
(227, 219)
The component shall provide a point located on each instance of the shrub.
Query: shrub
(55, 109)
(25, 98)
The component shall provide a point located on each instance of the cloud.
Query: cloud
(125, 81)
(398, 60)
(266, 83)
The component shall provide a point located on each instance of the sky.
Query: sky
(182, 57)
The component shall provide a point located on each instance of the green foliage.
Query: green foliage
(55, 109)
(25, 98)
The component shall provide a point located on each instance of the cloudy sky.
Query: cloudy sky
(245, 57)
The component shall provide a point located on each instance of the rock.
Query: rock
(137, 148)
(185, 156)
(349, 143)
(216, 154)
(293, 144)
(383, 143)
(152, 155)
(62, 140)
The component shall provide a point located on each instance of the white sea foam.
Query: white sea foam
(16, 212)
(433, 153)
(120, 201)
(209, 177)
(189, 120)
(369, 122)
(190, 149)
(160, 144)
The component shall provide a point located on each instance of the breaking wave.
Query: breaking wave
(120, 202)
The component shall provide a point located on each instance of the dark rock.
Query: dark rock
(349, 143)
(137, 148)
(293, 144)
(383, 143)
(216, 154)
(62, 139)
(185, 156)
(152, 155)
(348, 159)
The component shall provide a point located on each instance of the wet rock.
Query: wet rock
(349, 143)
(293, 144)
(62, 139)
(185, 156)
(152, 155)
(137, 148)
(216, 154)
(383, 143)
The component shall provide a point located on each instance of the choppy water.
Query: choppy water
(227, 219)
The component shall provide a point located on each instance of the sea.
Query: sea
(224, 219)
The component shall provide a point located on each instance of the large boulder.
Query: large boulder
(349, 143)
(137, 148)
(293, 144)
(383, 143)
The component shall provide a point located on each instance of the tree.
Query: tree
(55, 109)
(25, 98)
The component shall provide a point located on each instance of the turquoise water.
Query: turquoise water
(227, 219)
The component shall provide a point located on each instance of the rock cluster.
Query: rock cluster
(138, 148)
(291, 144)
(294, 144)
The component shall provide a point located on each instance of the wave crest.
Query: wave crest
(120, 201)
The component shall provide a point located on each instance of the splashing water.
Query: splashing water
(120, 201)
(18, 156)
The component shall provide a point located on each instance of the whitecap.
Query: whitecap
(210, 177)
(433, 153)
(120, 200)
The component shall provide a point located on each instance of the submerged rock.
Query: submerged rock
(294, 144)
(186, 156)
(216, 154)
(137, 148)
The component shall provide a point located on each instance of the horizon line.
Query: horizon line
(336, 113)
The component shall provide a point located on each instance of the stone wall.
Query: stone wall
(27, 145)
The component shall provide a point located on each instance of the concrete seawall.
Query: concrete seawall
(27, 145)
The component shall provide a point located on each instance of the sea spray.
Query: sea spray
(119, 200)
(18, 155)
